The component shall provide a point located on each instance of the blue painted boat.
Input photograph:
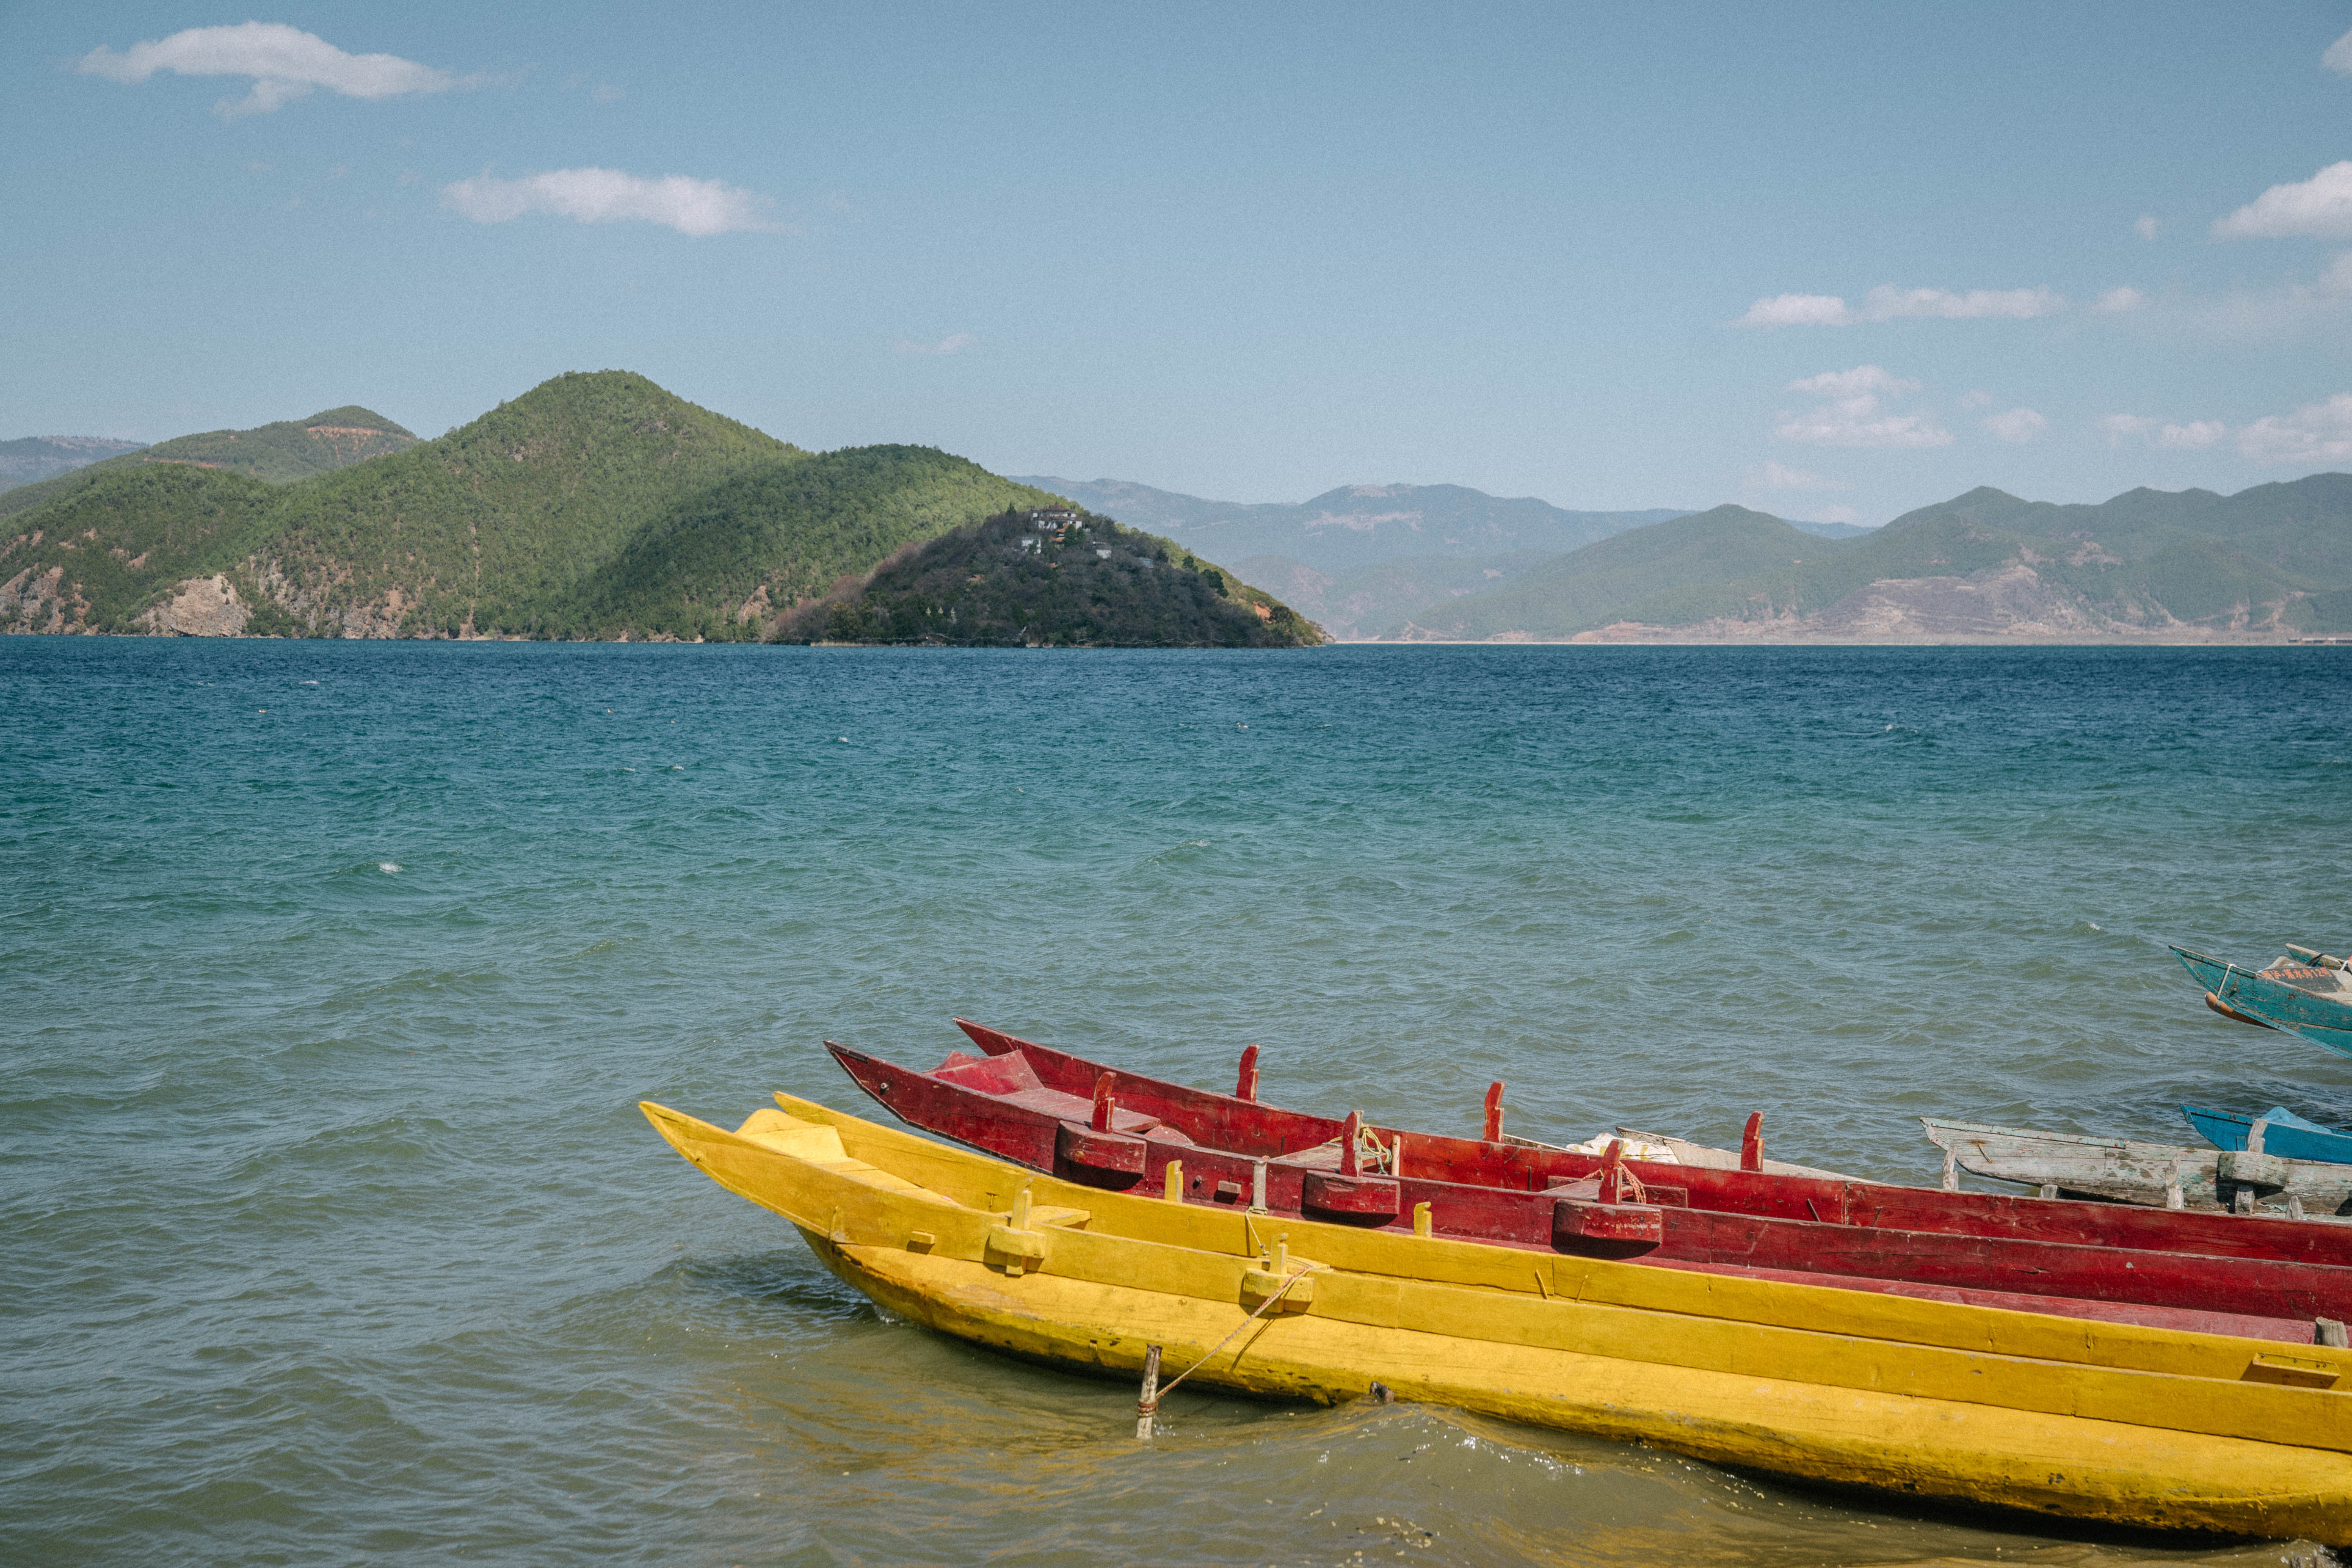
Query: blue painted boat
(2284, 1133)
(2310, 999)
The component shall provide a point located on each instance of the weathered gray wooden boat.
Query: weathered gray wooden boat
(2067, 1164)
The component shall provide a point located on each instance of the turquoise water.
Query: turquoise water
(334, 972)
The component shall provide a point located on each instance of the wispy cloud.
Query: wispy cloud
(2339, 57)
(2147, 226)
(2116, 302)
(1774, 476)
(2314, 433)
(1888, 303)
(2017, 426)
(696, 207)
(953, 343)
(284, 62)
(2320, 206)
(2194, 435)
(2288, 307)
(1855, 413)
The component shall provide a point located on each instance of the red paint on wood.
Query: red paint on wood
(2057, 1275)
(1175, 1111)
(1349, 1130)
(1099, 1159)
(1613, 1171)
(1245, 1086)
(1575, 1220)
(1344, 1196)
(1104, 1108)
(1494, 1134)
(1751, 1142)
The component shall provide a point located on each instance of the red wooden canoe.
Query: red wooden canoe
(1242, 1125)
(1003, 1105)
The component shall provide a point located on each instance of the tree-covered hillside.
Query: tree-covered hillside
(106, 552)
(720, 561)
(1022, 579)
(499, 527)
(592, 506)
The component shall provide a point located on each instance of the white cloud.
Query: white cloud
(2116, 302)
(1797, 310)
(1854, 416)
(2320, 206)
(954, 342)
(2314, 433)
(2018, 426)
(1887, 303)
(1977, 400)
(1773, 477)
(284, 62)
(2339, 57)
(1849, 383)
(2194, 435)
(691, 206)
(2147, 226)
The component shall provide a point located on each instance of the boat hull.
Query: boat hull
(2259, 1297)
(2128, 1426)
(2228, 1131)
(2323, 1017)
(1225, 1121)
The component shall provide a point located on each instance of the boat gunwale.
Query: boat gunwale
(2078, 1361)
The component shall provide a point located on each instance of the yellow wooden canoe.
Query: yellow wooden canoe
(2094, 1420)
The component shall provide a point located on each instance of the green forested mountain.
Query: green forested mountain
(1057, 579)
(2275, 559)
(276, 453)
(595, 505)
(718, 561)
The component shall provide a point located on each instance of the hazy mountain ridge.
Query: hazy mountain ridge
(596, 505)
(276, 453)
(2269, 562)
(32, 458)
(1354, 526)
(1352, 604)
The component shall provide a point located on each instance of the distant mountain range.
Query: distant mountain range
(1362, 559)
(1353, 526)
(2266, 564)
(36, 457)
(592, 506)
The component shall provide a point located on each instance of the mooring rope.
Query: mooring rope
(1146, 1408)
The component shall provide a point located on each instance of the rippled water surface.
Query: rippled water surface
(334, 972)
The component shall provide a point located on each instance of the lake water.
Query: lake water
(335, 972)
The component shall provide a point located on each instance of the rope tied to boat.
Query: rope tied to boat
(1148, 1406)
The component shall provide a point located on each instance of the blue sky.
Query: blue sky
(1828, 261)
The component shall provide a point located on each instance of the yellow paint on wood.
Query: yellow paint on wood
(2112, 1422)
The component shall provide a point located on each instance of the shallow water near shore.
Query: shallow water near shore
(335, 971)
